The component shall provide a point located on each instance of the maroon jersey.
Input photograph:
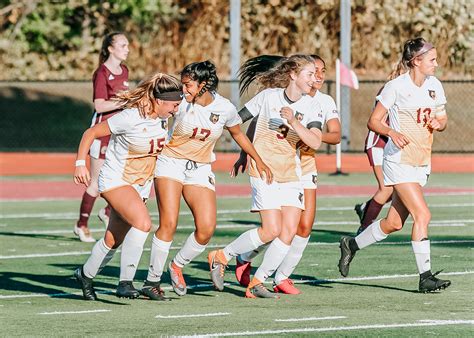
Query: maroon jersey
(106, 84)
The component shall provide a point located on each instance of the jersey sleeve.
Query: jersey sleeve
(388, 95)
(100, 85)
(330, 110)
(122, 122)
(255, 104)
(234, 118)
(440, 100)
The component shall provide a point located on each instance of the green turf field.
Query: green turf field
(38, 297)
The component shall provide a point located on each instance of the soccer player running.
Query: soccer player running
(282, 282)
(139, 133)
(415, 102)
(287, 116)
(184, 169)
(110, 78)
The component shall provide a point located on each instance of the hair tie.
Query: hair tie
(425, 48)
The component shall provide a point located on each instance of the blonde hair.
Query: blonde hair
(145, 94)
(279, 75)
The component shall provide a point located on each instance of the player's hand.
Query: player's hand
(241, 164)
(265, 172)
(82, 175)
(433, 124)
(399, 139)
(288, 114)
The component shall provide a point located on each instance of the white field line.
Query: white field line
(340, 328)
(438, 223)
(73, 215)
(208, 285)
(309, 319)
(211, 246)
(215, 314)
(72, 312)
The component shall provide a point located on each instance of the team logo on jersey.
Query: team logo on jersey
(214, 118)
(164, 124)
(211, 180)
(314, 179)
(432, 94)
(300, 197)
(111, 77)
(299, 116)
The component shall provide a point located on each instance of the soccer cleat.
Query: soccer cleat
(153, 291)
(177, 279)
(217, 266)
(429, 282)
(125, 289)
(260, 291)
(346, 255)
(286, 286)
(242, 271)
(104, 217)
(88, 292)
(359, 231)
(360, 211)
(84, 234)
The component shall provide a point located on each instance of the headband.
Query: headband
(170, 96)
(426, 47)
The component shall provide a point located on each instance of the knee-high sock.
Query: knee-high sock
(101, 254)
(246, 242)
(87, 204)
(373, 233)
(292, 258)
(422, 255)
(274, 255)
(158, 256)
(371, 212)
(190, 250)
(249, 256)
(132, 249)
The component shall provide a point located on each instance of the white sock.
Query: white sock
(132, 248)
(292, 258)
(274, 255)
(101, 254)
(190, 250)
(422, 255)
(246, 242)
(369, 236)
(249, 256)
(158, 256)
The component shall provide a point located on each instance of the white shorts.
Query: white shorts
(276, 195)
(396, 173)
(107, 184)
(186, 172)
(310, 181)
(375, 155)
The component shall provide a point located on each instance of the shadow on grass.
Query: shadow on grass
(39, 236)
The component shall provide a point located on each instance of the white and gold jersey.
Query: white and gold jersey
(409, 108)
(275, 140)
(133, 149)
(196, 129)
(328, 112)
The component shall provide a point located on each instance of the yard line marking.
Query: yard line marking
(210, 285)
(215, 314)
(72, 312)
(340, 328)
(309, 319)
(73, 215)
(80, 253)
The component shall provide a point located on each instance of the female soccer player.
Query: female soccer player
(415, 102)
(110, 78)
(287, 116)
(282, 282)
(184, 169)
(138, 135)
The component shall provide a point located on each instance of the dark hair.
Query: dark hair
(317, 57)
(108, 41)
(254, 67)
(204, 71)
(410, 49)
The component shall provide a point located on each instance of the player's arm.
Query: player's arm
(81, 174)
(311, 136)
(333, 134)
(247, 146)
(103, 106)
(242, 160)
(377, 125)
(439, 122)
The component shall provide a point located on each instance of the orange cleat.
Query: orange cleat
(287, 287)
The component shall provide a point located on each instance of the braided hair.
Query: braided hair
(204, 71)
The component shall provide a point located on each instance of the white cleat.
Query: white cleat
(103, 217)
(84, 234)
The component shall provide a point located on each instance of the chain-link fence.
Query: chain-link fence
(51, 116)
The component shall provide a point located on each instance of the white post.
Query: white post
(338, 106)
(345, 43)
(234, 50)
